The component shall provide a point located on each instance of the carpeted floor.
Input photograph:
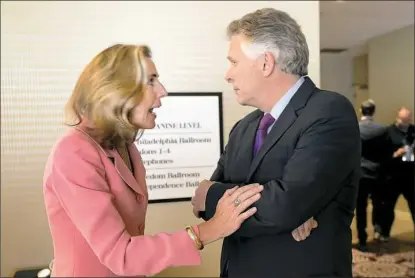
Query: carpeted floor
(391, 259)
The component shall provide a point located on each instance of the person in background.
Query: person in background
(400, 168)
(94, 186)
(375, 152)
(301, 143)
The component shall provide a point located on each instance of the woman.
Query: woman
(94, 182)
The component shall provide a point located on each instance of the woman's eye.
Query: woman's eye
(151, 82)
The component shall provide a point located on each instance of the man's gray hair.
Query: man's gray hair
(275, 31)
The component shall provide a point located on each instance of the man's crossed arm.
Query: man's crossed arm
(324, 159)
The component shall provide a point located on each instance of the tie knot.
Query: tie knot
(266, 121)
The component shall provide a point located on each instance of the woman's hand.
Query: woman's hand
(231, 211)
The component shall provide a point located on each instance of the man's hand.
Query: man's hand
(196, 212)
(399, 152)
(199, 199)
(302, 232)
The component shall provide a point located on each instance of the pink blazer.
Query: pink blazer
(96, 210)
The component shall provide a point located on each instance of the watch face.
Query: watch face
(44, 273)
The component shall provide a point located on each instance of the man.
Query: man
(401, 168)
(301, 143)
(375, 151)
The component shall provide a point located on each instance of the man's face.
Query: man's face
(404, 117)
(244, 74)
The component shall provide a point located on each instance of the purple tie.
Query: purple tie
(266, 121)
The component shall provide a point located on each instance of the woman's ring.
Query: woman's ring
(236, 202)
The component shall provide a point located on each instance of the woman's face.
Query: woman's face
(142, 115)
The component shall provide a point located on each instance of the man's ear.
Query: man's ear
(269, 64)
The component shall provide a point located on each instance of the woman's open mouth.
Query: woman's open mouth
(152, 112)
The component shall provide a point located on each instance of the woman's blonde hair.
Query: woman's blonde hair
(109, 87)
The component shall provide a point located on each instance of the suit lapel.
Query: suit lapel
(245, 152)
(125, 173)
(284, 121)
(139, 170)
(119, 163)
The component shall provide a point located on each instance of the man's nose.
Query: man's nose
(227, 77)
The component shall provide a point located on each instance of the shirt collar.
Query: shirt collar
(283, 102)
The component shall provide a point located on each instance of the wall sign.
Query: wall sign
(184, 147)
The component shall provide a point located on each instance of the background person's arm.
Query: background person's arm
(325, 156)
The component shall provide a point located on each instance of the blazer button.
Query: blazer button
(139, 198)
